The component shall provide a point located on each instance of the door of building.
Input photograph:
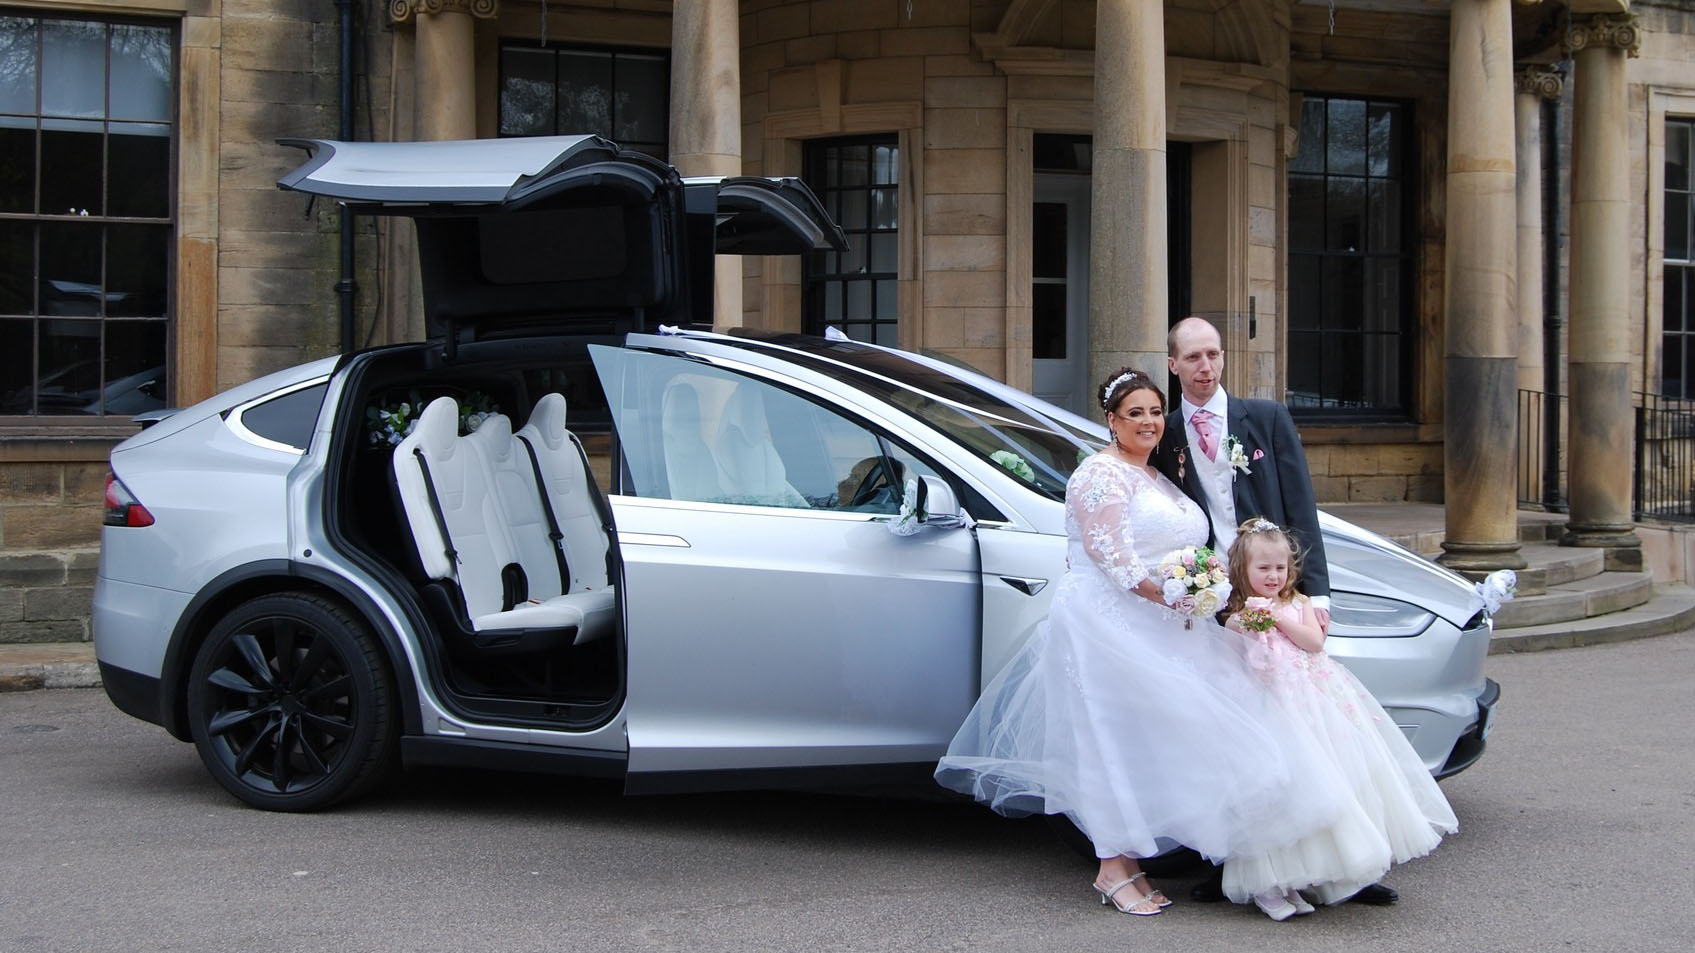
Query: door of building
(1059, 296)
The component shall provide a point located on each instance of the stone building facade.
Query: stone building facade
(1370, 198)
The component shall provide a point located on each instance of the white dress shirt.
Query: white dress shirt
(1217, 479)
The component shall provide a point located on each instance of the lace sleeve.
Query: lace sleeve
(1101, 507)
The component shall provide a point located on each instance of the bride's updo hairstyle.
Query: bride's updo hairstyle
(1124, 382)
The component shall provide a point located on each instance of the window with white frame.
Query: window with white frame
(87, 133)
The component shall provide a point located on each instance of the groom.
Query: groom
(1240, 459)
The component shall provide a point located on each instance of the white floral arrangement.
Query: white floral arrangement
(1237, 457)
(389, 423)
(1014, 464)
(1194, 581)
(1496, 588)
(911, 517)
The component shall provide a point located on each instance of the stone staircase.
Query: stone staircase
(1566, 597)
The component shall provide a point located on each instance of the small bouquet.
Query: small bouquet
(1195, 573)
(1014, 464)
(1497, 587)
(1256, 615)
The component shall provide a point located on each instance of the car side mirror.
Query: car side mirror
(929, 501)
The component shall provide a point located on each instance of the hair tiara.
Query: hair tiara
(1263, 526)
(1112, 385)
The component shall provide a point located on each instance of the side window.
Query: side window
(719, 437)
(284, 422)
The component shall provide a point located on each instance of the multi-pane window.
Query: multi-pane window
(87, 122)
(1350, 259)
(623, 95)
(1678, 358)
(856, 291)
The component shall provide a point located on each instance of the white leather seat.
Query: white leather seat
(690, 469)
(565, 481)
(478, 525)
(749, 468)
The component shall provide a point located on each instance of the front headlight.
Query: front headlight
(1357, 615)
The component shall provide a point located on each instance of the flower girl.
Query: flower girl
(1387, 778)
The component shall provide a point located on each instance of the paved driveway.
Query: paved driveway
(1577, 829)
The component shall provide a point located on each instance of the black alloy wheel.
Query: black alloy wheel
(291, 704)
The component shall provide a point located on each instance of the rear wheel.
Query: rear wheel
(291, 705)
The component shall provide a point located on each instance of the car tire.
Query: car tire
(291, 705)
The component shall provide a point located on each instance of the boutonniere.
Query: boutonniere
(1237, 456)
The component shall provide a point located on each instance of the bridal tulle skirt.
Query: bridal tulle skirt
(1146, 734)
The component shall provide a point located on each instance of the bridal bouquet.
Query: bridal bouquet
(1195, 573)
(1256, 615)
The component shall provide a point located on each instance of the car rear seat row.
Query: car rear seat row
(480, 519)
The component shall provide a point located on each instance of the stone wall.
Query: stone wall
(51, 494)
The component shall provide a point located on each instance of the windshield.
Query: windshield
(1033, 448)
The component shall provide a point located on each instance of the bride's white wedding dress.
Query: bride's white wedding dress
(1145, 732)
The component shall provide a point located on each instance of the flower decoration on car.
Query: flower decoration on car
(1194, 581)
(389, 422)
(911, 517)
(1014, 464)
(1496, 588)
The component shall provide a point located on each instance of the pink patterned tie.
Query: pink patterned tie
(1202, 422)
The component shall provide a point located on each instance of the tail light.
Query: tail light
(122, 508)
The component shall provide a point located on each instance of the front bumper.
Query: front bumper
(1470, 745)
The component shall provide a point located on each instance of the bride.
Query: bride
(1145, 731)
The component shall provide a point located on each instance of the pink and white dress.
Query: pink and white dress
(1383, 773)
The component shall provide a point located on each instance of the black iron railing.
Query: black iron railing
(1541, 462)
(1663, 455)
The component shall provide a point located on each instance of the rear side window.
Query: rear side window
(283, 422)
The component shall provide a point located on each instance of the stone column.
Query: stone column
(1601, 451)
(706, 117)
(1480, 298)
(1127, 239)
(445, 63)
(1534, 83)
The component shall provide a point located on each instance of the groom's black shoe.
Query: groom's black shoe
(1376, 895)
(1209, 890)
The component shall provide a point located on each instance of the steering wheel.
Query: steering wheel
(873, 482)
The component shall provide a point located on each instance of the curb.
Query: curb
(25, 678)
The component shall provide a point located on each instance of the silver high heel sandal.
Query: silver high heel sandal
(1109, 895)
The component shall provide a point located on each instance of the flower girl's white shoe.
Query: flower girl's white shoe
(1302, 908)
(1274, 905)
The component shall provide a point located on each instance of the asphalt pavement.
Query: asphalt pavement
(1577, 830)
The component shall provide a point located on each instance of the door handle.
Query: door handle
(651, 539)
(1025, 584)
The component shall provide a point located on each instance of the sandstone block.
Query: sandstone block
(1377, 489)
(50, 527)
(80, 566)
(11, 605)
(58, 603)
(63, 630)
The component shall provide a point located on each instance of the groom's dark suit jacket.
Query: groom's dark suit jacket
(1277, 486)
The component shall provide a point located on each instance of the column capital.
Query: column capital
(401, 11)
(1539, 79)
(1619, 31)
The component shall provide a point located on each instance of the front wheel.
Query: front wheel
(291, 705)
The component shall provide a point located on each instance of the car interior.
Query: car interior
(517, 585)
